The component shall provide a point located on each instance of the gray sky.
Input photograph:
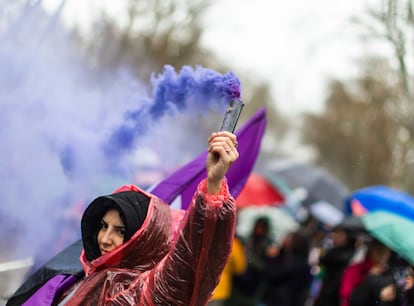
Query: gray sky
(296, 45)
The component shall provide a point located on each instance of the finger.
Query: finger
(224, 143)
(212, 136)
(229, 142)
(220, 141)
(224, 152)
(229, 135)
(233, 154)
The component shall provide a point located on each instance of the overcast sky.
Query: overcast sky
(296, 45)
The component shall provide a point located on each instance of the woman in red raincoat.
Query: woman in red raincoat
(160, 261)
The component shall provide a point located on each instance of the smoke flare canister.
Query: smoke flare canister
(232, 115)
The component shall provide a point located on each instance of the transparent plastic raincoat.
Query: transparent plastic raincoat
(173, 259)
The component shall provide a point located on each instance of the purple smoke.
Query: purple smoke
(56, 118)
(199, 85)
(173, 92)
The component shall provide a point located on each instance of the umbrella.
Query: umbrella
(326, 213)
(320, 185)
(259, 191)
(352, 224)
(392, 230)
(281, 222)
(380, 197)
(294, 197)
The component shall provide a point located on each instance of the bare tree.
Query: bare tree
(356, 134)
(366, 133)
(156, 32)
(393, 23)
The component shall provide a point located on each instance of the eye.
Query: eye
(121, 232)
(104, 225)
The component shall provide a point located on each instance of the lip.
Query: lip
(103, 252)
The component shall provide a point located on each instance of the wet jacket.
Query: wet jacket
(368, 292)
(236, 265)
(288, 278)
(334, 263)
(353, 275)
(173, 259)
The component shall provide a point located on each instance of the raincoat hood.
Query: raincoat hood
(140, 211)
(132, 207)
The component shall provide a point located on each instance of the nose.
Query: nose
(107, 238)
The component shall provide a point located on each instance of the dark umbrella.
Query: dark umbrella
(320, 185)
(352, 224)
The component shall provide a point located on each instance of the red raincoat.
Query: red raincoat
(173, 259)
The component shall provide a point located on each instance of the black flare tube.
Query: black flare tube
(232, 115)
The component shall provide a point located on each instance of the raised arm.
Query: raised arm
(191, 271)
(222, 152)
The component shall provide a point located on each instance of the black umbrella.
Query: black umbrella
(320, 185)
(352, 224)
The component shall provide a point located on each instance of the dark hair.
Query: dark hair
(262, 221)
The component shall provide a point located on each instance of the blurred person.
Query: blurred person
(248, 287)
(235, 265)
(332, 264)
(375, 262)
(408, 287)
(383, 286)
(136, 253)
(287, 272)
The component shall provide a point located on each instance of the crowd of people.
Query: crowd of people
(351, 268)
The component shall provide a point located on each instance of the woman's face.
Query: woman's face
(111, 234)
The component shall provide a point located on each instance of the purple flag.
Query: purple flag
(184, 181)
(57, 285)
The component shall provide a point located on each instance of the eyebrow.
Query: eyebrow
(115, 226)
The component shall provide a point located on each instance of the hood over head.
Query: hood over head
(151, 226)
(132, 207)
